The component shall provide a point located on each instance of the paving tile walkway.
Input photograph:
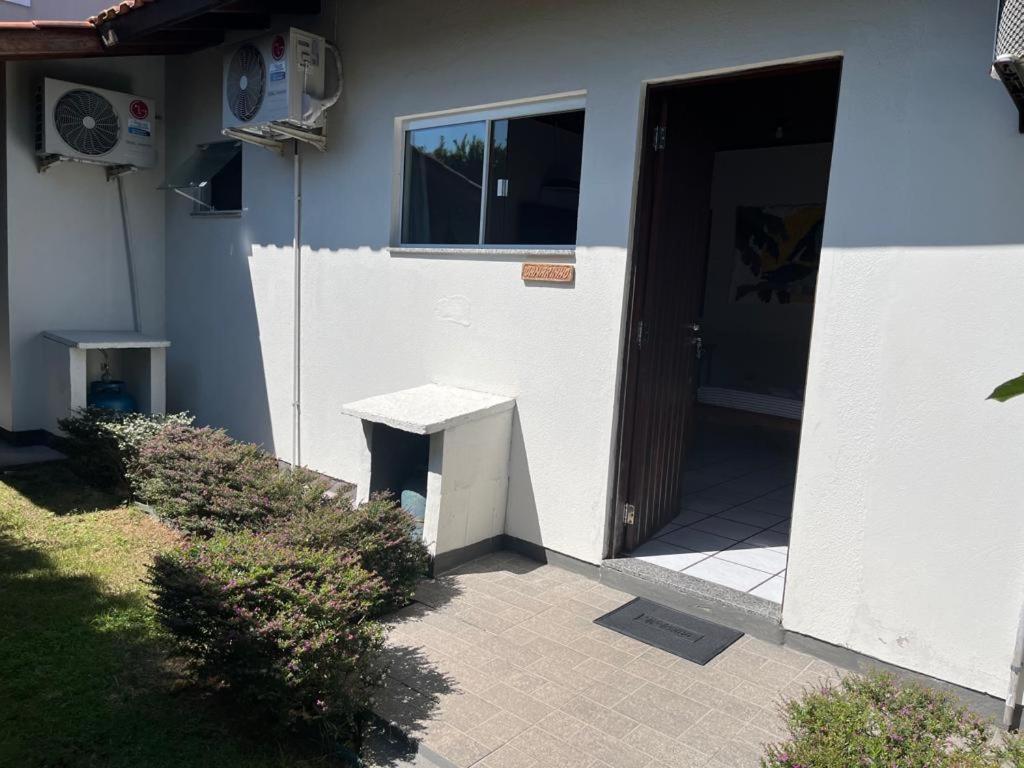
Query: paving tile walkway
(498, 664)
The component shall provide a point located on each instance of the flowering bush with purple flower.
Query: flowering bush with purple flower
(876, 722)
(103, 446)
(285, 626)
(384, 535)
(203, 482)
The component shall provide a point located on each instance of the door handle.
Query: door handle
(697, 341)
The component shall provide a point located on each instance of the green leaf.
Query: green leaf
(1008, 389)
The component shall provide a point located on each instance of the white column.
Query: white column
(158, 380)
(78, 382)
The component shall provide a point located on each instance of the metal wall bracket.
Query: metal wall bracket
(273, 136)
(46, 162)
(116, 171)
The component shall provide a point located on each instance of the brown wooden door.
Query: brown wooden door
(668, 288)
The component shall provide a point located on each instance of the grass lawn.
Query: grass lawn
(84, 680)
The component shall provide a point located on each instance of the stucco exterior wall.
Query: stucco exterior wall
(65, 247)
(907, 538)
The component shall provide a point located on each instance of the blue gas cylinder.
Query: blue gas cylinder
(413, 498)
(110, 395)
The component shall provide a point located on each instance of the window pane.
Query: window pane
(534, 185)
(444, 170)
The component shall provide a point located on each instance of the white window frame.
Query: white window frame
(546, 105)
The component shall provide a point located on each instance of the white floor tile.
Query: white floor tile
(727, 574)
(763, 559)
(771, 589)
(665, 555)
(697, 541)
(778, 507)
(673, 526)
(730, 529)
(768, 539)
(754, 517)
(783, 494)
(687, 517)
(782, 527)
(705, 504)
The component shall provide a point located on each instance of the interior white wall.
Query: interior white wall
(66, 260)
(753, 346)
(907, 540)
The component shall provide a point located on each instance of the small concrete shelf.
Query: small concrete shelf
(106, 340)
(428, 409)
(467, 437)
(139, 359)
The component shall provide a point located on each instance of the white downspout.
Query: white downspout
(297, 329)
(1014, 694)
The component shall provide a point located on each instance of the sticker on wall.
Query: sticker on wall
(548, 273)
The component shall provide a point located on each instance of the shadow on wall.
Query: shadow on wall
(216, 367)
(520, 488)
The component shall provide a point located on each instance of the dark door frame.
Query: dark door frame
(646, 188)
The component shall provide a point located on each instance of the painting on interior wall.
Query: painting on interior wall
(777, 252)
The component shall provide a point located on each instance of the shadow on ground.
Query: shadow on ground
(84, 676)
(414, 688)
(55, 488)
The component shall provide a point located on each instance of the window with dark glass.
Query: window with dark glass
(444, 172)
(510, 181)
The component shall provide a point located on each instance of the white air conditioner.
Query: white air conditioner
(94, 125)
(1008, 56)
(275, 78)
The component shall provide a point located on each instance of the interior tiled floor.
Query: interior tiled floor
(498, 664)
(733, 528)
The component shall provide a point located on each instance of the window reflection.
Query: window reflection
(443, 183)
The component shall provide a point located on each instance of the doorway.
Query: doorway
(730, 212)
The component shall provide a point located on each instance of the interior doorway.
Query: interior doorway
(730, 211)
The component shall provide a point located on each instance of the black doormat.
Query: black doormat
(679, 633)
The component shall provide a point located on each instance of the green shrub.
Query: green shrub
(103, 446)
(283, 626)
(203, 481)
(381, 532)
(868, 722)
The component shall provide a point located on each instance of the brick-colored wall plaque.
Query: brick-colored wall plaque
(549, 273)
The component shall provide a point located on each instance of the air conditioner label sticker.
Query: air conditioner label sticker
(278, 71)
(140, 127)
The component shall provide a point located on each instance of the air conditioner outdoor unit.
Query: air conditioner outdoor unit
(94, 125)
(1008, 56)
(275, 78)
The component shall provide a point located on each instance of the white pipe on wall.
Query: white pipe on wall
(126, 230)
(297, 330)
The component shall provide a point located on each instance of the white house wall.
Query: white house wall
(65, 247)
(907, 539)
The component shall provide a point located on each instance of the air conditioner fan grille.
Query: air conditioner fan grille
(86, 122)
(247, 82)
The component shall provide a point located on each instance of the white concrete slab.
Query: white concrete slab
(428, 409)
(106, 339)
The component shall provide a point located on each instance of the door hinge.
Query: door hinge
(640, 334)
(628, 514)
(659, 137)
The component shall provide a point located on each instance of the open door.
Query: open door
(670, 251)
(729, 231)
